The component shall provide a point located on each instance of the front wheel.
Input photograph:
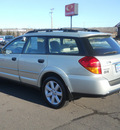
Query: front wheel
(54, 92)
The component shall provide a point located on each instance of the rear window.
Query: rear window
(104, 46)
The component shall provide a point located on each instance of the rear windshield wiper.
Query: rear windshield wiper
(111, 52)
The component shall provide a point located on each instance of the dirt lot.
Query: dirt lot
(23, 108)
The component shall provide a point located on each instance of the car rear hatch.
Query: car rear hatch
(107, 51)
(110, 66)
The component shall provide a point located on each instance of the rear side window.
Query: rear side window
(63, 46)
(104, 46)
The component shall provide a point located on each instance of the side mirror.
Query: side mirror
(4, 51)
(8, 51)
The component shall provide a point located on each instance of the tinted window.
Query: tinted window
(104, 46)
(16, 46)
(63, 46)
(36, 45)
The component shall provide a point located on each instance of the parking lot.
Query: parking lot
(22, 107)
(1, 46)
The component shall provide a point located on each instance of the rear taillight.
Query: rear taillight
(91, 63)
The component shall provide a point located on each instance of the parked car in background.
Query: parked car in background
(63, 63)
(5, 39)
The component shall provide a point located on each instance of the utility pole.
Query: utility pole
(51, 17)
(71, 22)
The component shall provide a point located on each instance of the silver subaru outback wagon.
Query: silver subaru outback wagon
(63, 63)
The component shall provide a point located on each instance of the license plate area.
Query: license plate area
(117, 67)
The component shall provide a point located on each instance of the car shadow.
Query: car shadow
(22, 91)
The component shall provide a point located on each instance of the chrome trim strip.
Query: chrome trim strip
(114, 82)
(25, 78)
(13, 75)
(32, 72)
(8, 68)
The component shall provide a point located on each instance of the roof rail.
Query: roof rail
(51, 30)
(62, 29)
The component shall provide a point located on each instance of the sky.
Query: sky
(36, 13)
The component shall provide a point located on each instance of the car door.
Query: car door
(9, 59)
(33, 60)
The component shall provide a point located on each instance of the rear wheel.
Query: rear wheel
(54, 92)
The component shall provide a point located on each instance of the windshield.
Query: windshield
(104, 46)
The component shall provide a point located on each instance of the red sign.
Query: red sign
(71, 9)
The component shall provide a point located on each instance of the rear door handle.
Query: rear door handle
(40, 60)
(14, 58)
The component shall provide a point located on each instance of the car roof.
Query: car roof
(66, 33)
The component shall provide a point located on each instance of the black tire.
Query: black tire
(54, 92)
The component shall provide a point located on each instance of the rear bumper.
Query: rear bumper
(96, 85)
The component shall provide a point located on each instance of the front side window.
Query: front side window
(36, 45)
(63, 46)
(16, 46)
